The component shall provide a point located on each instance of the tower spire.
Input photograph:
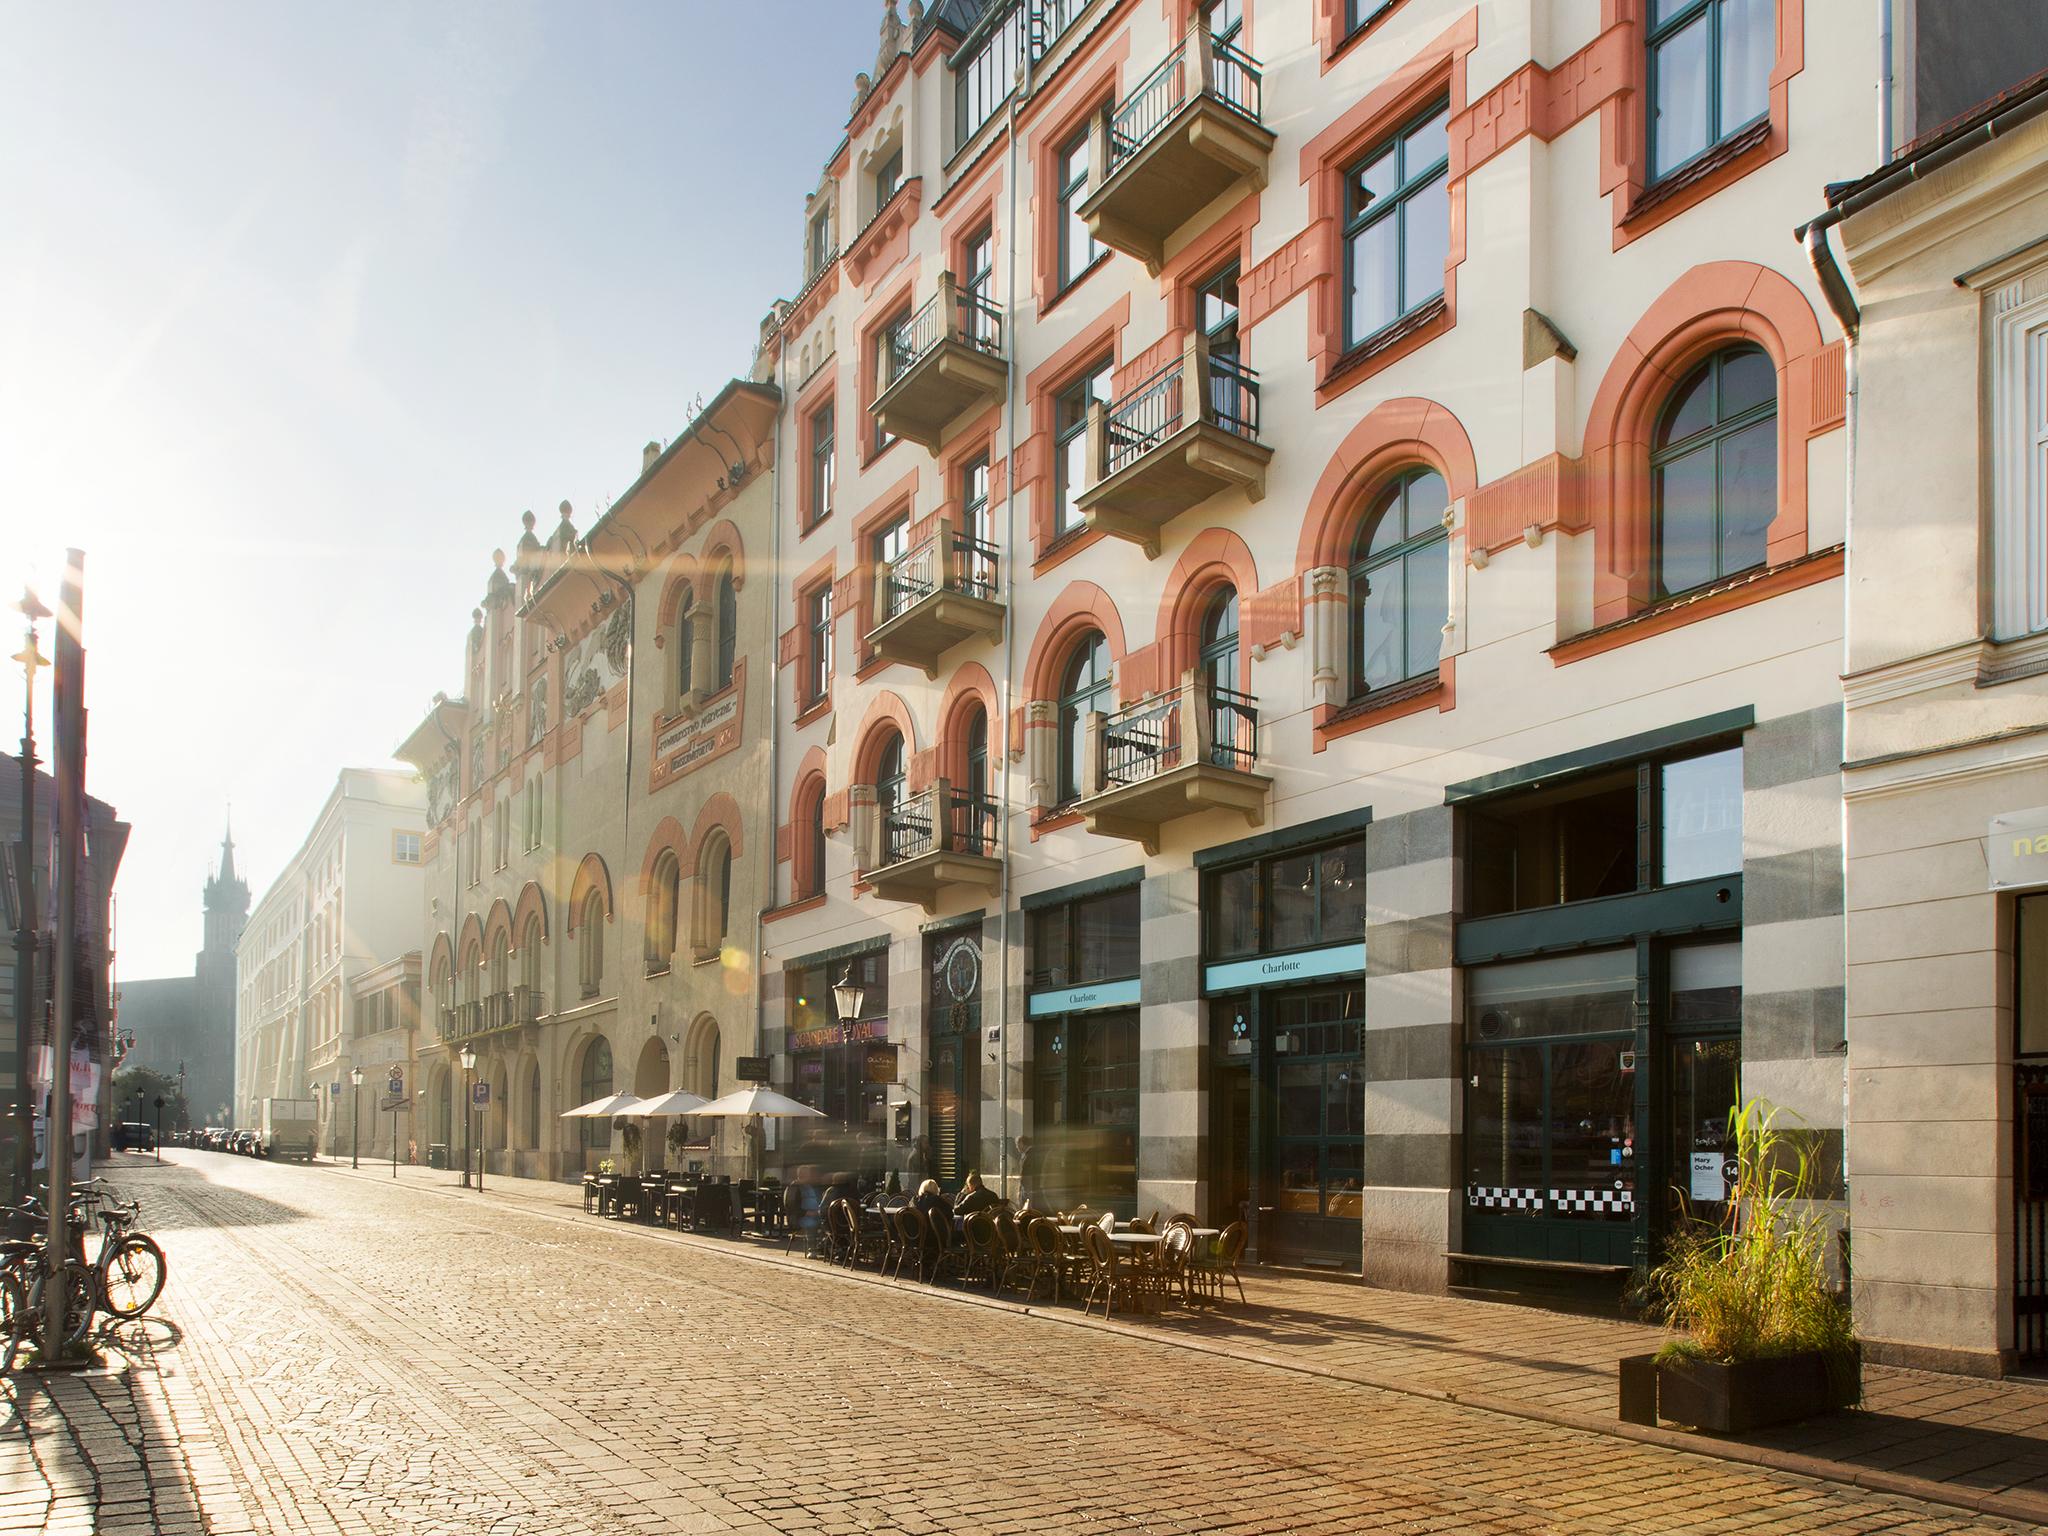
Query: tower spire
(227, 848)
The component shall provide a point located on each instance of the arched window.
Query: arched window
(1084, 689)
(810, 871)
(889, 775)
(977, 823)
(686, 632)
(590, 955)
(472, 972)
(529, 955)
(501, 962)
(444, 993)
(661, 912)
(1714, 471)
(595, 1082)
(1400, 583)
(728, 630)
(714, 896)
(533, 1105)
(1231, 744)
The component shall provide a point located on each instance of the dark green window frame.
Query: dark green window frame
(1661, 33)
(1718, 431)
(1360, 215)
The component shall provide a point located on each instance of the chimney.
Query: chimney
(648, 455)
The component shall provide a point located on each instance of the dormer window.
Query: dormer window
(888, 177)
(820, 247)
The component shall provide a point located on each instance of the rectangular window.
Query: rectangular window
(1297, 900)
(818, 642)
(1079, 250)
(1089, 940)
(533, 814)
(893, 348)
(501, 848)
(888, 177)
(1359, 13)
(405, 847)
(1701, 817)
(1397, 226)
(2019, 401)
(977, 288)
(977, 526)
(821, 463)
(1710, 75)
(1070, 443)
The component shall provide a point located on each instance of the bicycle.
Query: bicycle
(123, 1280)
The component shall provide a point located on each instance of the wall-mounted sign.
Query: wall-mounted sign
(824, 1035)
(1278, 970)
(688, 742)
(1103, 994)
(2017, 849)
(751, 1069)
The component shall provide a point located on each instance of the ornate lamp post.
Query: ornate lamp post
(847, 996)
(355, 1112)
(22, 897)
(468, 1059)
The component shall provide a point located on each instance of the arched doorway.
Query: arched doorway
(593, 1081)
(651, 1081)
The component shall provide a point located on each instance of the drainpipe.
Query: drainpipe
(1005, 699)
(774, 734)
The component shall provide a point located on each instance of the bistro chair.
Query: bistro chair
(798, 1222)
(593, 1193)
(946, 1253)
(1011, 1263)
(870, 1238)
(906, 1240)
(982, 1260)
(1220, 1262)
(1175, 1249)
(1043, 1255)
(1106, 1279)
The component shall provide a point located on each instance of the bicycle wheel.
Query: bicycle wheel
(132, 1273)
(78, 1308)
(15, 1323)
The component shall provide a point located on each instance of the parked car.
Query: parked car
(134, 1136)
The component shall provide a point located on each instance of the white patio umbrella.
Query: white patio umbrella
(758, 1103)
(680, 1102)
(610, 1104)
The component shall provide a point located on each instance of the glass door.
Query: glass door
(1313, 1165)
(1702, 1084)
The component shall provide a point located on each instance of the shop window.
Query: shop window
(1085, 1110)
(1710, 75)
(841, 1068)
(1084, 690)
(1400, 583)
(1080, 942)
(1714, 472)
(1397, 226)
(1700, 817)
(2030, 980)
(1298, 900)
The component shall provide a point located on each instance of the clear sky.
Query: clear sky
(301, 306)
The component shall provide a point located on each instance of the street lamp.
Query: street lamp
(21, 891)
(468, 1059)
(846, 999)
(355, 1112)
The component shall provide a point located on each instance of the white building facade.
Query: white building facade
(347, 901)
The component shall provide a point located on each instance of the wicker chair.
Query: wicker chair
(1016, 1264)
(945, 1254)
(982, 1263)
(906, 1240)
(1107, 1280)
(1175, 1250)
(1044, 1254)
(1220, 1262)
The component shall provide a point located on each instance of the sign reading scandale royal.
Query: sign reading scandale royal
(1278, 970)
(2017, 849)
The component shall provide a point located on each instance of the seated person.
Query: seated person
(973, 1197)
(931, 1200)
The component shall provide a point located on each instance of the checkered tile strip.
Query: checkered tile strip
(1578, 1202)
(1504, 1199)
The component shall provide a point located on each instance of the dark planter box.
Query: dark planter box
(1731, 1399)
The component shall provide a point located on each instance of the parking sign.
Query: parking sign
(480, 1095)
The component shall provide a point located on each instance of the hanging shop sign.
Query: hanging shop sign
(2017, 850)
(1279, 970)
(1101, 994)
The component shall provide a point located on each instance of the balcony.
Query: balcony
(944, 365)
(937, 838)
(1178, 754)
(937, 593)
(1190, 132)
(499, 1010)
(1171, 442)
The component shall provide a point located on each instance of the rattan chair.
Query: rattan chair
(906, 1239)
(981, 1263)
(1106, 1281)
(1044, 1254)
(1219, 1263)
(945, 1254)
(1175, 1251)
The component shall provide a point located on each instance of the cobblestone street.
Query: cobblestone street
(339, 1354)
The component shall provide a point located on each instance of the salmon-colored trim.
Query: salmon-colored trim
(879, 95)
(1081, 605)
(1215, 557)
(854, 593)
(1739, 592)
(1438, 70)
(591, 874)
(822, 572)
(498, 924)
(812, 304)
(792, 908)
(440, 959)
(886, 711)
(886, 241)
(899, 303)
(722, 545)
(1065, 548)
(1546, 495)
(1624, 126)
(982, 205)
(808, 405)
(1332, 41)
(1546, 102)
(1441, 696)
(1033, 468)
(1230, 237)
(1711, 306)
(1042, 826)
(681, 578)
(1084, 95)
(1393, 435)
(721, 813)
(970, 687)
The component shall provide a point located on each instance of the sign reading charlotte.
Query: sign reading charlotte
(688, 742)
(2017, 849)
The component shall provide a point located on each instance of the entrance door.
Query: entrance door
(2030, 1129)
(1313, 1168)
(954, 1107)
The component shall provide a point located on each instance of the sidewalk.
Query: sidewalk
(1977, 1444)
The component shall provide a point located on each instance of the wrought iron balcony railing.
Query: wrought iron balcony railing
(948, 315)
(1226, 392)
(1199, 66)
(938, 819)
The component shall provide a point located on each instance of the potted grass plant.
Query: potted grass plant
(629, 1146)
(1764, 1332)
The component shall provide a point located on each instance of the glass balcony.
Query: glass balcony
(944, 364)
(935, 839)
(1171, 442)
(1180, 753)
(1190, 132)
(939, 592)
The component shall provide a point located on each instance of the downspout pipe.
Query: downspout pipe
(758, 1147)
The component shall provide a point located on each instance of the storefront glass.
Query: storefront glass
(1084, 967)
(1314, 1168)
(843, 1069)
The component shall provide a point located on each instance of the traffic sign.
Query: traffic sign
(395, 1083)
(480, 1095)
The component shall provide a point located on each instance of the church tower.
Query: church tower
(227, 909)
